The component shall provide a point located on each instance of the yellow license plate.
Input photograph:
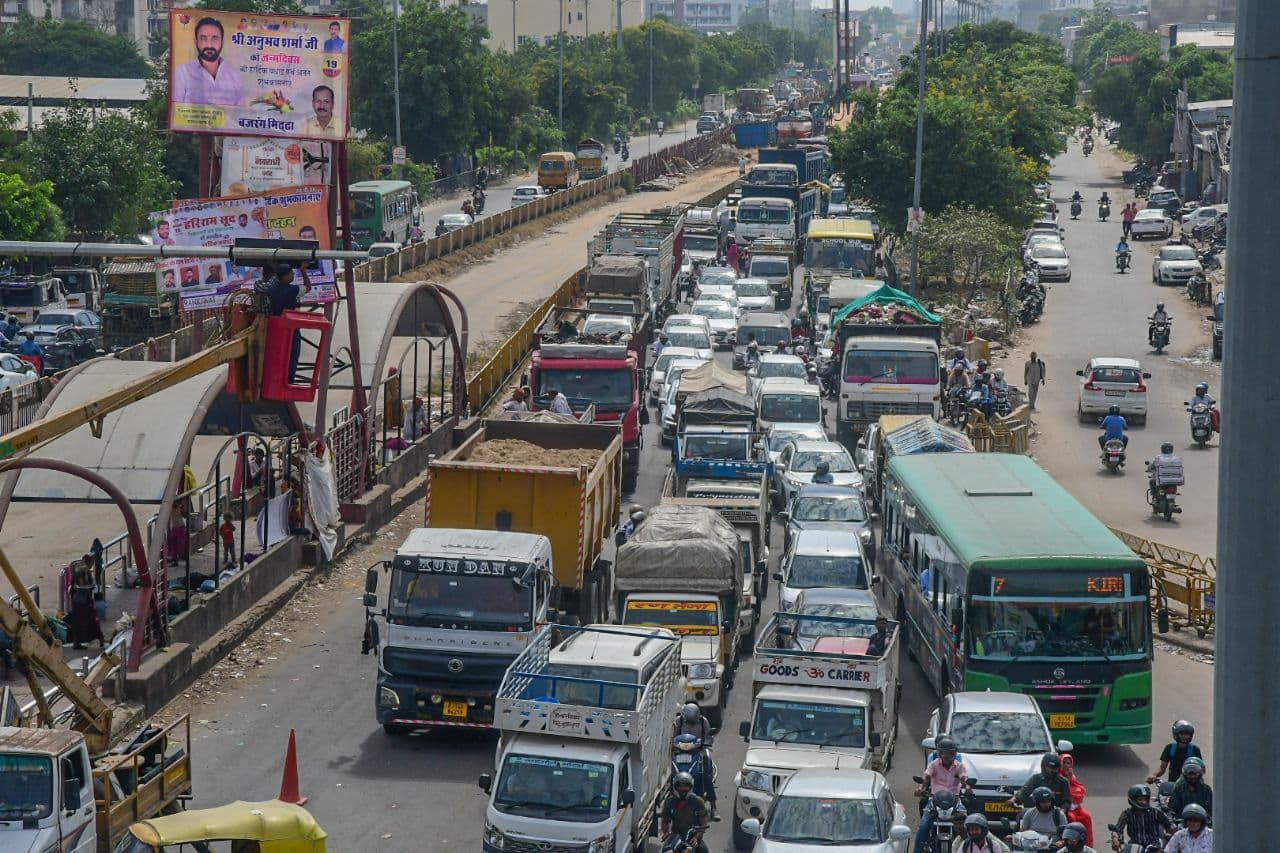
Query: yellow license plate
(1062, 721)
(999, 808)
(455, 709)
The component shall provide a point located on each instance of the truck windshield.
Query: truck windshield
(683, 617)
(559, 788)
(768, 214)
(716, 446)
(766, 177)
(609, 388)
(811, 723)
(769, 267)
(824, 821)
(22, 297)
(490, 603)
(26, 787)
(701, 243)
(840, 253)
(1003, 629)
(809, 571)
(911, 368)
(791, 408)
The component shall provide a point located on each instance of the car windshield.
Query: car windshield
(999, 731)
(1168, 253)
(824, 821)
(532, 785)
(810, 723)
(718, 275)
(791, 408)
(1154, 215)
(715, 310)
(779, 439)
(436, 600)
(605, 388)
(814, 570)
(890, 366)
(664, 361)
(687, 337)
(1008, 629)
(807, 460)
(1124, 375)
(751, 288)
(828, 508)
(815, 628)
(768, 267)
(1048, 250)
(56, 318)
(787, 369)
(26, 787)
(525, 191)
(716, 446)
(1166, 195)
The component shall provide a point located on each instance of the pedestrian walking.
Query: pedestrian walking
(83, 619)
(742, 165)
(227, 532)
(733, 255)
(1127, 216)
(1033, 374)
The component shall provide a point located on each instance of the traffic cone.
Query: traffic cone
(289, 792)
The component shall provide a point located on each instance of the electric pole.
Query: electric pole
(915, 192)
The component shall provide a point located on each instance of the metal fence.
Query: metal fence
(1179, 576)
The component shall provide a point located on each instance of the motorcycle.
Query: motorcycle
(1104, 211)
(1029, 839)
(1000, 405)
(477, 201)
(617, 144)
(1113, 455)
(661, 129)
(1088, 147)
(958, 406)
(1159, 335)
(1209, 257)
(1142, 188)
(948, 814)
(688, 755)
(1122, 261)
(1198, 289)
(1201, 423)
(626, 153)
(1163, 500)
(1076, 208)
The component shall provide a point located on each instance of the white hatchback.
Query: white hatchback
(1175, 265)
(1107, 382)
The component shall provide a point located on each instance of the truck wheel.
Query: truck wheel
(741, 841)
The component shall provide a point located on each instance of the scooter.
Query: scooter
(617, 144)
(1201, 423)
(1163, 500)
(1076, 208)
(1113, 455)
(688, 755)
(1159, 335)
(1088, 147)
(1198, 289)
(1133, 847)
(1104, 211)
(1122, 262)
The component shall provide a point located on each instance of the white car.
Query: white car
(721, 317)
(1053, 261)
(777, 438)
(1152, 222)
(1038, 238)
(658, 374)
(822, 558)
(712, 276)
(844, 603)
(1207, 214)
(694, 337)
(454, 221)
(829, 810)
(719, 292)
(753, 294)
(527, 193)
(608, 326)
(14, 372)
(381, 250)
(799, 460)
(670, 388)
(1175, 265)
(787, 401)
(1107, 382)
(686, 320)
(775, 364)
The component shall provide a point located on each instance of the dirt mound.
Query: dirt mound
(510, 451)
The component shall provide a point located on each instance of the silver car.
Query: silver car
(822, 558)
(721, 317)
(817, 506)
(799, 461)
(658, 375)
(774, 364)
(778, 437)
(824, 810)
(753, 294)
(1001, 738)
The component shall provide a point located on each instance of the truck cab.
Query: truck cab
(772, 218)
(27, 296)
(461, 605)
(46, 791)
(83, 286)
(774, 261)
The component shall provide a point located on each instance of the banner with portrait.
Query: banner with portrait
(295, 213)
(242, 74)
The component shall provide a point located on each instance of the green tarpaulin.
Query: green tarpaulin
(886, 295)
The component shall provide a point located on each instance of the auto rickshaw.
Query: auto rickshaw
(272, 826)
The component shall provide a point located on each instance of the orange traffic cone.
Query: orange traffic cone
(289, 792)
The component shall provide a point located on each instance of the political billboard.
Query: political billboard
(241, 74)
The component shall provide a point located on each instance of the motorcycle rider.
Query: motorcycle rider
(1175, 754)
(999, 385)
(753, 352)
(1049, 777)
(1202, 398)
(1195, 835)
(1166, 462)
(944, 773)
(822, 474)
(1113, 426)
(1104, 199)
(1157, 317)
(1122, 248)
(797, 328)
(1077, 198)
(661, 126)
(959, 362)
(977, 838)
(1143, 824)
(683, 809)
(958, 378)
(692, 722)
(1191, 788)
(661, 344)
(981, 393)
(691, 842)
(617, 142)
(1073, 838)
(1043, 817)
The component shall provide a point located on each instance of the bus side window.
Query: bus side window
(940, 591)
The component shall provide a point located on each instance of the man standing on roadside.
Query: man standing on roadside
(1126, 217)
(1033, 374)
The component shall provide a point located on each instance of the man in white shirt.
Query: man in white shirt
(559, 403)
(322, 124)
(207, 79)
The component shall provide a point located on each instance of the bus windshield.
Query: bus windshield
(364, 205)
(840, 253)
(1004, 629)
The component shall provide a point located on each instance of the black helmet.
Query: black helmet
(1166, 447)
(982, 364)
(823, 466)
(1073, 835)
(1050, 761)
(1193, 766)
(1041, 795)
(1195, 811)
(1183, 727)
(1114, 410)
(979, 821)
(945, 744)
(1159, 306)
(682, 780)
(1136, 791)
(1202, 389)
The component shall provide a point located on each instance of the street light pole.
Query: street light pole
(619, 24)
(915, 192)
(560, 76)
(395, 67)
(653, 117)
(513, 28)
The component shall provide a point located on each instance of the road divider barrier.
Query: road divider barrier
(1180, 576)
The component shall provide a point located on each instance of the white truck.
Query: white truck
(584, 759)
(819, 700)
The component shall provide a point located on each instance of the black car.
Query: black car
(64, 346)
(1165, 199)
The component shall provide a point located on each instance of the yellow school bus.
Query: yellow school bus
(557, 170)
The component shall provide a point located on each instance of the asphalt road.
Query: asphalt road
(304, 670)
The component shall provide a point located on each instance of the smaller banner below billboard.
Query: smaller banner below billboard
(252, 165)
(296, 213)
(235, 73)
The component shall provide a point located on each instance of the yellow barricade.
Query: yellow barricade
(1181, 576)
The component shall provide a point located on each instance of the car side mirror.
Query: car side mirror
(928, 744)
(371, 579)
(71, 795)
(751, 826)
(875, 740)
(899, 834)
(875, 580)
(628, 798)
(486, 782)
(1146, 375)
(1065, 746)
(370, 600)
(1210, 317)
(1079, 373)
(777, 576)
(744, 729)
(784, 516)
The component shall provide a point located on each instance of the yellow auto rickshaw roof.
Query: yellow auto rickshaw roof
(278, 826)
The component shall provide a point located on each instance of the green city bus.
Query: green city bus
(379, 207)
(1005, 582)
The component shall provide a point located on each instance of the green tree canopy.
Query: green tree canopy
(27, 211)
(43, 47)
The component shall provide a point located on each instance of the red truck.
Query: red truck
(595, 359)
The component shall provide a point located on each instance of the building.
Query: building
(36, 96)
(1174, 11)
(1206, 36)
(1202, 139)
(709, 16)
(535, 20)
(138, 19)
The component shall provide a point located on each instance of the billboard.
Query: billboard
(297, 213)
(251, 165)
(237, 73)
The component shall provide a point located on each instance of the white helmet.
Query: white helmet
(999, 373)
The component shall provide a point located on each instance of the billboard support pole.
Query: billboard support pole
(358, 400)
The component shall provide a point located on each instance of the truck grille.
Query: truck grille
(869, 410)
(467, 670)
(516, 845)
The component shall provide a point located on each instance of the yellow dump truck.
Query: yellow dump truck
(562, 481)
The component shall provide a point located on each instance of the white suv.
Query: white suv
(1107, 382)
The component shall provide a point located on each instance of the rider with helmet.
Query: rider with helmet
(1195, 835)
(944, 773)
(1157, 317)
(1141, 823)
(1202, 397)
(683, 809)
(1113, 427)
(1191, 788)
(635, 515)
(1050, 777)
(959, 362)
(822, 474)
(797, 328)
(1166, 470)
(977, 838)
(1173, 756)
(1043, 816)
(692, 722)
(1073, 838)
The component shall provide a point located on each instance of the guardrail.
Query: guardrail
(28, 714)
(1182, 576)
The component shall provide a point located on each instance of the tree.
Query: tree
(1103, 36)
(675, 65)
(107, 174)
(49, 48)
(966, 247)
(27, 211)
(877, 20)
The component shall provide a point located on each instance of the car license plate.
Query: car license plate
(1062, 721)
(455, 709)
(1113, 393)
(999, 808)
